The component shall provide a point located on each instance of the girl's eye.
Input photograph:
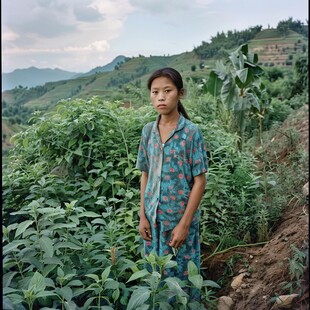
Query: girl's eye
(154, 92)
(167, 90)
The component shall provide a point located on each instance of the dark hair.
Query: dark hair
(175, 77)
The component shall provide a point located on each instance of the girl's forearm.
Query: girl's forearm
(194, 200)
(143, 182)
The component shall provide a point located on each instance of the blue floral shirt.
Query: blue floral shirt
(171, 169)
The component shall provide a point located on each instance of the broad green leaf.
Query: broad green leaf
(11, 227)
(93, 276)
(175, 286)
(45, 294)
(16, 299)
(60, 272)
(78, 151)
(242, 75)
(98, 181)
(63, 225)
(104, 174)
(214, 84)
(7, 290)
(105, 274)
(88, 302)
(139, 274)
(52, 211)
(37, 282)
(182, 299)
(99, 221)
(7, 278)
(75, 283)
(192, 269)
(52, 261)
(171, 264)
(47, 269)
(210, 283)
(46, 245)
(228, 92)
(197, 280)
(14, 245)
(116, 294)
(120, 183)
(74, 219)
(69, 245)
(22, 227)
(89, 214)
(128, 221)
(7, 303)
(138, 298)
(252, 101)
(128, 170)
(71, 142)
(111, 284)
(65, 292)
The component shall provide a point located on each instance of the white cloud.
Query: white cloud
(98, 46)
(9, 35)
(54, 27)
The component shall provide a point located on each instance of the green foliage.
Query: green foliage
(298, 265)
(70, 211)
(74, 145)
(296, 25)
(171, 292)
(238, 85)
(222, 42)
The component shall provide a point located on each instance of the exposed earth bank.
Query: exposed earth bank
(258, 276)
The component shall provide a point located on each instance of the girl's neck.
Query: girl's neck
(169, 120)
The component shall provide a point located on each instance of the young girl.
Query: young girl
(172, 158)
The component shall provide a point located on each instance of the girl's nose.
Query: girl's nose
(161, 97)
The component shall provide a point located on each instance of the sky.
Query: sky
(79, 35)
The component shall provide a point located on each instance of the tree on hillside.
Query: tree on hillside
(295, 25)
(302, 76)
(224, 41)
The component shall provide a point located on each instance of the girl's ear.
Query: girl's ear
(181, 92)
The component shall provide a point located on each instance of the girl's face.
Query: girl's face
(165, 96)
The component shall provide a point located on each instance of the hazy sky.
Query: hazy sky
(79, 35)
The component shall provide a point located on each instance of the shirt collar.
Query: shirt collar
(180, 125)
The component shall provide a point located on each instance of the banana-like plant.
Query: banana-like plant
(238, 85)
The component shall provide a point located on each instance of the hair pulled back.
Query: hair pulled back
(176, 79)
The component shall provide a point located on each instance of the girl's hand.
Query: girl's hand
(178, 236)
(145, 229)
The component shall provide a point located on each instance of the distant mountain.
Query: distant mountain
(107, 68)
(33, 76)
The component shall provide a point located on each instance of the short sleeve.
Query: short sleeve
(143, 158)
(199, 154)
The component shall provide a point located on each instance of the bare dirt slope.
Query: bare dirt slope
(267, 268)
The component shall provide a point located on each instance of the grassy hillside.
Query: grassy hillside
(8, 130)
(271, 48)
